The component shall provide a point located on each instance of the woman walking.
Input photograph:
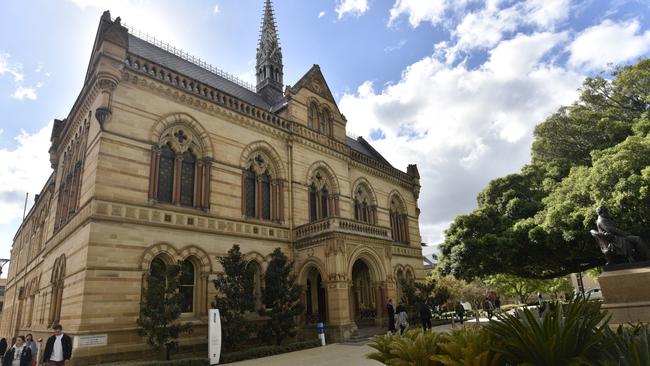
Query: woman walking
(18, 355)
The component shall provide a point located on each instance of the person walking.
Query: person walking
(488, 307)
(425, 316)
(497, 303)
(58, 348)
(3, 347)
(540, 302)
(18, 355)
(460, 312)
(29, 342)
(391, 316)
(402, 318)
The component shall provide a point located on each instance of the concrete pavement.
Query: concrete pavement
(331, 355)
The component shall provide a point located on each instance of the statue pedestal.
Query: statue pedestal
(626, 294)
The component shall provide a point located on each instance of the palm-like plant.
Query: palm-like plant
(630, 346)
(413, 348)
(468, 347)
(573, 334)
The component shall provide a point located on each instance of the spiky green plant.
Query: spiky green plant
(415, 348)
(573, 334)
(468, 347)
(382, 344)
(630, 346)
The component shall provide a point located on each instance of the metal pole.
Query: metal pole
(581, 286)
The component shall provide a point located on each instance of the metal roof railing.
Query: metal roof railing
(187, 57)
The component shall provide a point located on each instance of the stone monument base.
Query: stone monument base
(626, 294)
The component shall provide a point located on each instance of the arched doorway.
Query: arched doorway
(315, 300)
(363, 295)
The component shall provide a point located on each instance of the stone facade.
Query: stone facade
(346, 218)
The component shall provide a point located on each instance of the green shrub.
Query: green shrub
(630, 346)
(565, 335)
(413, 348)
(468, 347)
(266, 351)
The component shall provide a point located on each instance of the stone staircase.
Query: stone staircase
(362, 335)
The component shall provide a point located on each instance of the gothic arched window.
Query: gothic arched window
(364, 208)
(187, 283)
(249, 192)
(188, 172)
(261, 190)
(322, 201)
(178, 175)
(398, 221)
(312, 115)
(324, 122)
(166, 175)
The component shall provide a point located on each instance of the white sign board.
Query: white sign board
(95, 340)
(214, 335)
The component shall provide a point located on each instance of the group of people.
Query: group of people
(491, 304)
(23, 350)
(399, 317)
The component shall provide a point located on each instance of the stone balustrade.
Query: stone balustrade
(338, 224)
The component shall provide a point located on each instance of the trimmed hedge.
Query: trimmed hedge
(266, 351)
(248, 354)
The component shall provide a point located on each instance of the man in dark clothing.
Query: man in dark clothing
(58, 348)
(460, 311)
(425, 316)
(391, 316)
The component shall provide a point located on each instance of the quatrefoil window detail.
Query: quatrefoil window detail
(180, 136)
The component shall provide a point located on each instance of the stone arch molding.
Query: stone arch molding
(363, 182)
(196, 137)
(271, 158)
(399, 200)
(172, 255)
(312, 262)
(321, 166)
(372, 260)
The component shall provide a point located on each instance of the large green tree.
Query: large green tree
(282, 299)
(536, 223)
(234, 298)
(161, 308)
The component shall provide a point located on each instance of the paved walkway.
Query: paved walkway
(338, 354)
(331, 355)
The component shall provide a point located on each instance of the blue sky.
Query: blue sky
(454, 86)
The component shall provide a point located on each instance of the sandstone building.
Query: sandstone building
(164, 158)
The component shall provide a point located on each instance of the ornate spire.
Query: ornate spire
(269, 58)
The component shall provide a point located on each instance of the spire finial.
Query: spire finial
(269, 67)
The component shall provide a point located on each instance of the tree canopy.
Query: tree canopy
(535, 223)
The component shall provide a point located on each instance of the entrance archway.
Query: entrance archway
(363, 295)
(315, 298)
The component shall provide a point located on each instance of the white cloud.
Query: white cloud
(23, 169)
(486, 26)
(15, 69)
(352, 7)
(321, 14)
(608, 42)
(463, 126)
(418, 11)
(395, 47)
(23, 92)
(216, 9)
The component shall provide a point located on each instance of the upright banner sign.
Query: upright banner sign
(214, 333)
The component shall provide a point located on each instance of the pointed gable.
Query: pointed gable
(314, 81)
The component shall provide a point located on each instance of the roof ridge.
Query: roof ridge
(187, 57)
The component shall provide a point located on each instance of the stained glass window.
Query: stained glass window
(187, 286)
(166, 175)
(187, 178)
(266, 196)
(249, 192)
(313, 216)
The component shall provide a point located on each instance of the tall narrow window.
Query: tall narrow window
(324, 123)
(324, 206)
(364, 208)
(399, 221)
(312, 115)
(266, 196)
(188, 169)
(187, 286)
(261, 190)
(313, 204)
(249, 190)
(166, 175)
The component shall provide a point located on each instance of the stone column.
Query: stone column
(340, 326)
